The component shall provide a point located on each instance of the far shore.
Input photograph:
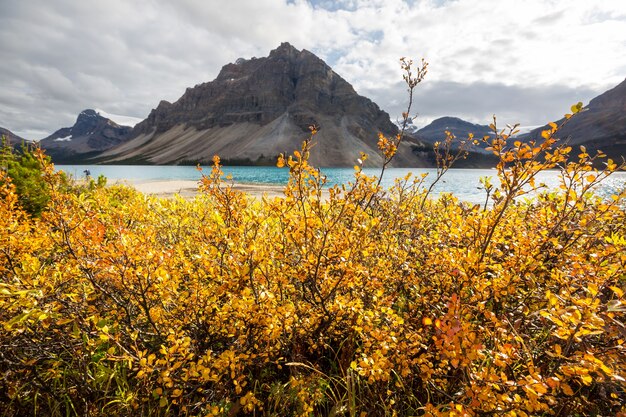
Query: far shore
(189, 188)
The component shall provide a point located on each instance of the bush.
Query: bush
(24, 167)
(350, 301)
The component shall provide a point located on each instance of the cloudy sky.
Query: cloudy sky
(526, 61)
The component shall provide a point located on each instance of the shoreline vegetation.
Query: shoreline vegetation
(352, 300)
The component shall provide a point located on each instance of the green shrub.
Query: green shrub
(24, 167)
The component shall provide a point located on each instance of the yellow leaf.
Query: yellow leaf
(606, 369)
(567, 390)
(552, 298)
(540, 388)
(576, 107)
(587, 379)
(593, 289)
(618, 291)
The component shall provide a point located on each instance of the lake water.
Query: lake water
(464, 183)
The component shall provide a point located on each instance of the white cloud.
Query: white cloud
(60, 57)
(119, 119)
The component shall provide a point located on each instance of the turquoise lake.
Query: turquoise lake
(464, 183)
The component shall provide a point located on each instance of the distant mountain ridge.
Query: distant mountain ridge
(258, 108)
(11, 137)
(602, 125)
(435, 131)
(88, 137)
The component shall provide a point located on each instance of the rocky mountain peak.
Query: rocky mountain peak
(284, 50)
(90, 134)
(86, 122)
(259, 107)
(87, 113)
(258, 90)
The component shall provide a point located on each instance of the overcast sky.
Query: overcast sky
(526, 61)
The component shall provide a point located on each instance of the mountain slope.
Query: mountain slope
(12, 138)
(258, 108)
(434, 131)
(601, 126)
(90, 135)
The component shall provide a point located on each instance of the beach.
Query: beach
(189, 188)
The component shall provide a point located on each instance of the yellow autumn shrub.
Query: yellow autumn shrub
(348, 300)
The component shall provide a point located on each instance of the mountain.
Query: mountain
(11, 137)
(260, 107)
(602, 125)
(460, 128)
(435, 132)
(90, 135)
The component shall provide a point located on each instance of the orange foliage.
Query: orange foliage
(360, 302)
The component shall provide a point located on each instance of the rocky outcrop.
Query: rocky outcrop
(258, 108)
(602, 125)
(89, 136)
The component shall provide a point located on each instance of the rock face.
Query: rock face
(90, 135)
(258, 108)
(601, 126)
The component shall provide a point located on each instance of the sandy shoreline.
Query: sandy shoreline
(189, 188)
